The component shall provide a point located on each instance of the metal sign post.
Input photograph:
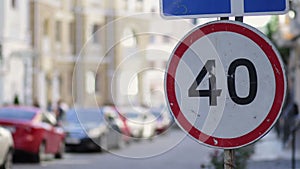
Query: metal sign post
(229, 159)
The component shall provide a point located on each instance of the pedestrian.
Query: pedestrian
(36, 103)
(49, 106)
(16, 100)
(59, 112)
(289, 121)
(295, 115)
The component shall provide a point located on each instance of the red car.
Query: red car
(34, 132)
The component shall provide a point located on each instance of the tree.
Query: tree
(272, 28)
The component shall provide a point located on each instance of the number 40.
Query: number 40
(213, 92)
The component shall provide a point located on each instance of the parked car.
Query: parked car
(6, 150)
(87, 129)
(140, 121)
(34, 132)
(163, 119)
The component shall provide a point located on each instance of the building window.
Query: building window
(153, 9)
(128, 84)
(72, 36)
(129, 38)
(95, 34)
(152, 39)
(13, 3)
(126, 4)
(98, 83)
(70, 83)
(139, 5)
(152, 64)
(166, 39)
(57, 83)
(1, 54)
(46, 28)
(90, 82)
(58, 31)
(72, 33)
(72, 4)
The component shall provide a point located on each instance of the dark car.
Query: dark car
(88, 130)
(34, 132)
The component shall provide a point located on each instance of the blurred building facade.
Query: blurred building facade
(50, 23)
(66, 56)
(16, 55)
(85, 52)
(144, 43)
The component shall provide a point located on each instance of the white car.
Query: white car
(141, 122)
(6, 150)
(163, 118)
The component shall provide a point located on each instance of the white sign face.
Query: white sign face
(225, 84)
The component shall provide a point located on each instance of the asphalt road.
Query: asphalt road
(173, 150)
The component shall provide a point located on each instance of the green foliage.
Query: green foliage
(271, 30)
(272, 27)
(241, 157)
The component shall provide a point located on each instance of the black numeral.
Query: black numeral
(212, 93)
(231, 81)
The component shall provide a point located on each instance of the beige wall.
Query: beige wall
(52, 52)
(58, 59)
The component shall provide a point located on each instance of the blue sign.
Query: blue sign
(221, 8)
(252, 6)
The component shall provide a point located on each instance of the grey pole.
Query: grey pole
(229, 157)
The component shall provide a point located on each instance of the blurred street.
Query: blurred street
(187, 154)
(269, 153)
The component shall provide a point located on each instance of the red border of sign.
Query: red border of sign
(267, 47)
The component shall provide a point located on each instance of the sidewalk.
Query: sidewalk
(270, 153)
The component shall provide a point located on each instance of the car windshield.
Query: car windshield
(157, 114)
(131, 115)
(86, 117)
(16, 114)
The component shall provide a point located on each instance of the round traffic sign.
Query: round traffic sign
(225, 84)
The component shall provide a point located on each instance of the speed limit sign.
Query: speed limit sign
(225, 84)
